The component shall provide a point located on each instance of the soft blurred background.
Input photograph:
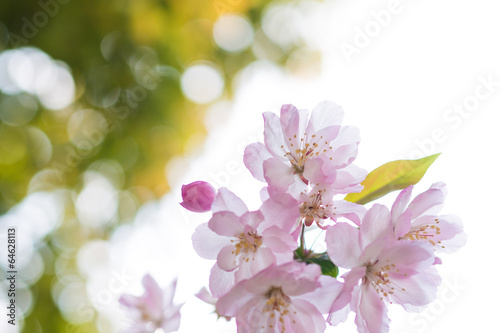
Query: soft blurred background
(108, 107)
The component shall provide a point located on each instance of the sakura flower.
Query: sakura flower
(315, 206)
(243, 242)
(278, 299)
(382, 270)
(309, 150)
(197, 196)
(154, 309)
(318, 207)
(418, 220)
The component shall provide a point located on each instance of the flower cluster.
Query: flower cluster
(264, 274)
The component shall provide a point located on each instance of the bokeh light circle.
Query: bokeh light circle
(202, 83)
(233, 33)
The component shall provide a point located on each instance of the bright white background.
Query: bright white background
(398, 89)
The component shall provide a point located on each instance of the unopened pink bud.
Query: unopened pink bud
(198, 196)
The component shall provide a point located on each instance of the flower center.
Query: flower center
(306, 148)
(425, 233)
(314, 209)
(378, 277)
(148, 319)
(248, 243)
(277, 303)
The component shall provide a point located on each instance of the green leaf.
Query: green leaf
(392, 176)
(322, 259)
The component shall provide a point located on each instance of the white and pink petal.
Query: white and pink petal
(278, 174)
(273, 135)
(226, 259)
(376, 224)
(207, 243)
(348, 179)
(226, 200)
(220, 282)
(343, 246)
(254, 156)
(371, 314)
(325, 114)
(401, 203)
(424, 202)
(226, 224)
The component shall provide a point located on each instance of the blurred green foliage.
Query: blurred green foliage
(126, 58)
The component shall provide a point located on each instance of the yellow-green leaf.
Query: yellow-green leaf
(392, 176)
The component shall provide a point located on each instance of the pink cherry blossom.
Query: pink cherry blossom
(418, 220)
(243, 242)
(381, 270)
(154, 309)
(268, 282)
(317, 206)
(299, 148)
(197, 196)
(279, 299)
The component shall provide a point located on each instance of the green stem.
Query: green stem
(302, 240)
